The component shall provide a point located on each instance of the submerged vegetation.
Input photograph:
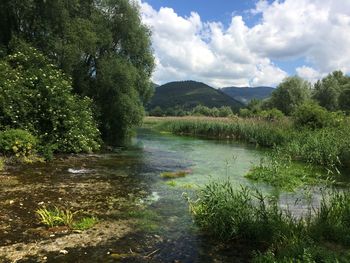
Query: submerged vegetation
(171, 175)
(274, 234)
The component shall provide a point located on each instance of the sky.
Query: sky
(247, 42)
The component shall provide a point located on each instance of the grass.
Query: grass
(64, 217)
(171, 175)
(275, 235)
(85, 223)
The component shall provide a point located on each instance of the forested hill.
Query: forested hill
(188, 94)
(246, 94)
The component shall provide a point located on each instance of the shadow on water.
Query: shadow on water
(127, 187)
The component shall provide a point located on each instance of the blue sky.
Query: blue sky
(248, 42)
(209, 10)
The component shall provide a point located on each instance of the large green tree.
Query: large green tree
(102, 44)
(290, 93)
(330, 91)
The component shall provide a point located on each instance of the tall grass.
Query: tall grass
(251, 131)
(275, 234)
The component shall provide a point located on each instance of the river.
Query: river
(143, 217)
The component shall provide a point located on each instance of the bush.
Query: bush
(313, 116)
(225, 111)
(17, 142)
(245, 113)
(37, 97)
(272, 114)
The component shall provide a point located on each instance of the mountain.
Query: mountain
(246, 94)
(188, 94)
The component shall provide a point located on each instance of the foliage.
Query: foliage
(37, 97)
(251, 130)
(290, 93)
(330, 91)
(102, 45)
(17, 142)
(332, 219)
(279, 171)
(64, 217)
(313, 116)
(275, 235)
(2, 164)
(55, 217)
(227, 214)
(85, 223)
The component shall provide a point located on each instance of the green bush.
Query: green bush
(272, 114)
(37, 97)
(17, 142)
(245, 113)
(311, 115)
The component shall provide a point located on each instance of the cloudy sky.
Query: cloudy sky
(247, 42)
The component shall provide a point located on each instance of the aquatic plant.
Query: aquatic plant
(279, 171)
(146, 220)
(171, 183)
(174, 174)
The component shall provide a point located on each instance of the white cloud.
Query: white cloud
(189, 48)
(309, 73)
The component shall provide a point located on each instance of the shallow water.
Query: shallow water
(127, 185)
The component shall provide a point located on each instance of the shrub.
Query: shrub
(225, 111)
(37, 97)
(245, 113)
(17, 142)
(272, 114)
(311, 115)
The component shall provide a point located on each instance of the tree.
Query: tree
(344, 100)
(293, 91)
(330, 90)
(101, 44)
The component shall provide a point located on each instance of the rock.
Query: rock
(64, 252)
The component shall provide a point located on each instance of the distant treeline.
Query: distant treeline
(199, 110)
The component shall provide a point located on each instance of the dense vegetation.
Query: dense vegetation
(199, 110)
(186, 95)
(71, 73)
(271, 233)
